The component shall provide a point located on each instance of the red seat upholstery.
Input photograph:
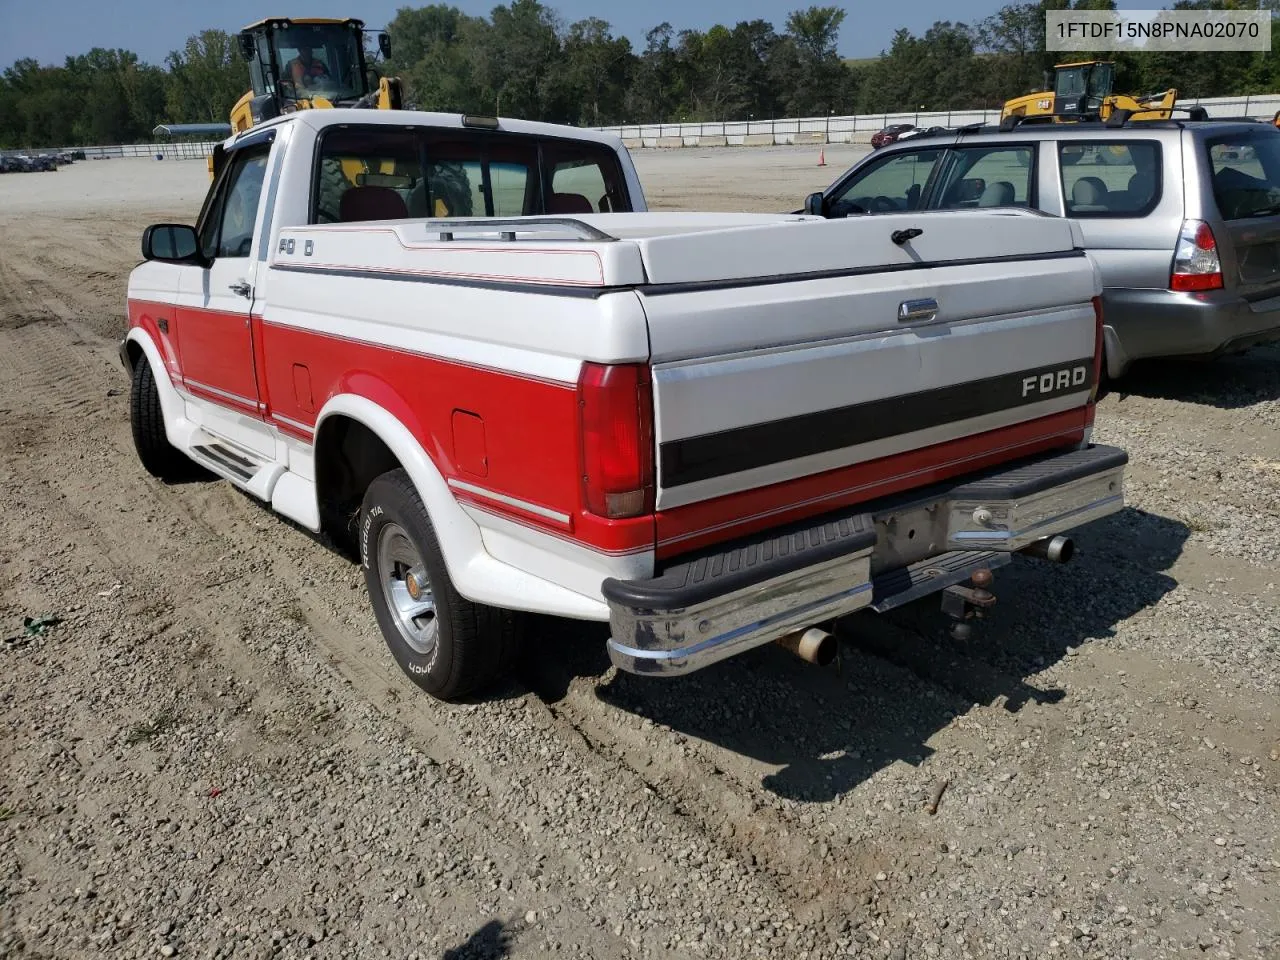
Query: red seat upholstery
(372, 203)
(568, 203)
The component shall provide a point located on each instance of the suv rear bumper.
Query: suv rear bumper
(1143, 323)
(717, 604)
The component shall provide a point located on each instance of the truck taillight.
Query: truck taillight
(1196, 265)
(616, 406)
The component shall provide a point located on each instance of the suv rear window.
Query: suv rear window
(1119, 178)
(1246, 174)
(376, 172)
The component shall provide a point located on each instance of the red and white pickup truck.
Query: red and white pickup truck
(463, 348)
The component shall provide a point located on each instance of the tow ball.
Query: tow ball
(965, 603)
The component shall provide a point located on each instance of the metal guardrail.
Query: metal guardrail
(169, 151)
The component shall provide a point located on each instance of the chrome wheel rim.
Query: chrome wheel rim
(407, 589)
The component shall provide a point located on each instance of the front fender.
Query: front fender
(176, 425)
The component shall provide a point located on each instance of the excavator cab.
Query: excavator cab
(306, 64)
(1082, 87)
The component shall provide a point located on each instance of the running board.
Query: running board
(258, 477)
(893, 588)
(224, 460)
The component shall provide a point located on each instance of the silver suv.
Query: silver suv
(1182, 217)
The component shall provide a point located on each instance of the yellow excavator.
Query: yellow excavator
(1085, 91)
(308, 63)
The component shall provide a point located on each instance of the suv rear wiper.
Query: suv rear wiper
(1267, 211)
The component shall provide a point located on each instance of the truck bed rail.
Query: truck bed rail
(509, 228)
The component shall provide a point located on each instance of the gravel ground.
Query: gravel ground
(213, 755)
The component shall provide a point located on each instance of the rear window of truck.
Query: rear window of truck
(1118, 178)
(376, 172)
(1245, 169)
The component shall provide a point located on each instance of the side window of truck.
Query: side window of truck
(988, 177)
(896, 183)
(1118, 178)
(227, 226)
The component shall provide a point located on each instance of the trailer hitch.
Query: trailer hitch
(965, 603)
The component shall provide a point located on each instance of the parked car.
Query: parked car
(1182, 216)
(463, 347)
(882, 138)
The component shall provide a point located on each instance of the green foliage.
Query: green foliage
(521, 61)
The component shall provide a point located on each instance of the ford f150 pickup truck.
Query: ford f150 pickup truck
(464, 349)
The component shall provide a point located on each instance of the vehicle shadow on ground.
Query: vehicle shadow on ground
(491, 942)
(1229, 383)
(818, 732)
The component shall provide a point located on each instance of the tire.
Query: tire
(159, 457)
(333, 184)
(456, 647)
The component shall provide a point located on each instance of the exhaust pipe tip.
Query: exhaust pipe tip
(813, 645)
(1057, 549)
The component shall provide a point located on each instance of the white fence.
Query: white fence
(753, 132)
(858, 129)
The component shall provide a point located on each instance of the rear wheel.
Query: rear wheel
(159, 457)
(446, 644)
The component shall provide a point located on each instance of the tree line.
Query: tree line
(524, 61)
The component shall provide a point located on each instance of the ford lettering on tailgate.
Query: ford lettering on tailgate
(1055, 381)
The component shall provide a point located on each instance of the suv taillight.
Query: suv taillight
(615, 402)
(1097, 349)
(1195, 261)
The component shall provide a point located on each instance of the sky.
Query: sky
(151, 28)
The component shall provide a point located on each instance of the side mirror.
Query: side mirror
(171, 243)
(815, 205)
(384, 44)
(248, 48)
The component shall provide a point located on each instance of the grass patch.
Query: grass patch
(293, 611)
(7, 813)
(1199, 524)
(152, 728)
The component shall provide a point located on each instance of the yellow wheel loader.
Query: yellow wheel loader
(1085, 91)
(308, 64)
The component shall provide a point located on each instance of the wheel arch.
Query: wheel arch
(137, 345)
(349, 423)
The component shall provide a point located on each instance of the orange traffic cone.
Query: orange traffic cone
(822, 158)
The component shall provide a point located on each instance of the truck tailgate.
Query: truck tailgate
(855, 350)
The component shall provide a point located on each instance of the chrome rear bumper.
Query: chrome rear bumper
(714, 605)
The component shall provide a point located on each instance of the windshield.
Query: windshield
(1100, 78)
(1246, 173)
(320, 60)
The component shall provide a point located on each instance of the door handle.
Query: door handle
(241, 288)
(910, 311)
